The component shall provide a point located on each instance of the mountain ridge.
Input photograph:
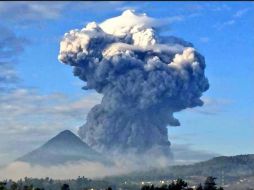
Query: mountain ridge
(233, 168)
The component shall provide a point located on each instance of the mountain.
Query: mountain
(232, 168)
(64, 147)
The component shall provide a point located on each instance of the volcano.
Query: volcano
(64, 148)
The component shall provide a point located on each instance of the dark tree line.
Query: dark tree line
(180, 184)
(83, 184)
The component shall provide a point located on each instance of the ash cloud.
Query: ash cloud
(144, 79)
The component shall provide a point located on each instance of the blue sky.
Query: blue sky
(46, 98)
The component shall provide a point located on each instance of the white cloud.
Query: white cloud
(38, 11)
(186, 57)
(8, 75)
(31, 10)
(11, 46)
(122, 24)
(30, 118)
(212, 106)
(220, 7)
(21, 102)
(185, 154)
(223, 25)
(17, 170)
(241, 12)
(230, 22)
(233, 20)
(204, 39)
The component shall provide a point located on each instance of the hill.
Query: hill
(232, 168)
(64, 147)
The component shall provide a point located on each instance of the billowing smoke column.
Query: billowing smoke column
(144, 78)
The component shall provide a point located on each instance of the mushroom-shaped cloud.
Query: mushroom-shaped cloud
(144, 78)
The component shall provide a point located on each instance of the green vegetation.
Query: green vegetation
(237, 171)
(180, 184)
(82, 183)
(232, 168)
(49, 184)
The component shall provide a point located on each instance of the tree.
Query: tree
(2, 185)
(164, 187)
(171, 186)
(180, 184)
(199, 187)
(14, 186)
(210, 183)
(145, 187)
(65, 187)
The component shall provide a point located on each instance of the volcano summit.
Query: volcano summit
(64, 147)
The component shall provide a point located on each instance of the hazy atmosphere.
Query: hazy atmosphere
(81, 66)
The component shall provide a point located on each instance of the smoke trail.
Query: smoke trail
(144, 78)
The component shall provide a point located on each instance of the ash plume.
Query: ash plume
(144, 79)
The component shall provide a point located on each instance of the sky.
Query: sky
(39, 96)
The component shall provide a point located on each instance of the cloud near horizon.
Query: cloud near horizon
(30, 118)
(184, 154)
